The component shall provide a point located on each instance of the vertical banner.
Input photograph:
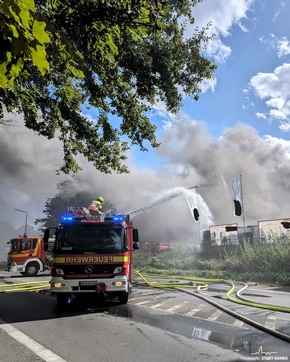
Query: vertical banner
(237, 194)
(190, 197)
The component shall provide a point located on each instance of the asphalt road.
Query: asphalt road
(94, 335)
(156, 325)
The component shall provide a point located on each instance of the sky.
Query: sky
(239, 127)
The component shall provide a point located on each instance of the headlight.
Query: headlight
(119, 283)
(57, 285)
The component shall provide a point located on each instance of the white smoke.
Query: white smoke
(28, 179)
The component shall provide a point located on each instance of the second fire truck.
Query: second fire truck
(27, 255)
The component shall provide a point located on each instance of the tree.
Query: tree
(119, 57)
(57, 205)
(23, 38)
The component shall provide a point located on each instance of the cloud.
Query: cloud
(275, 141)
(261, 115)
(222, 15)
(281, 45)
(275, 88)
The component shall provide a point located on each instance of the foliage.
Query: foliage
(264, 262)
(56, 206)
(118, 58)
(22, 37)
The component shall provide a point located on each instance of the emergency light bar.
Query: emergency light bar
(116, 219)
(66, 218)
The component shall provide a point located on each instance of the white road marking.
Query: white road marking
(177, 306)
(215, 315)
(238, 322)
(143, 302)
(271, 323)
(158, 305)
(195, 310)
(32, 345)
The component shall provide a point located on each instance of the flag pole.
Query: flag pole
(243, 208)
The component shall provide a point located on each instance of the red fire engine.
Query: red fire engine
(92, 258)
(27, 255)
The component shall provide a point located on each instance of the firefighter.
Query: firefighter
(96, 205)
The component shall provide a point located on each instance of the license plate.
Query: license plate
(88, 283)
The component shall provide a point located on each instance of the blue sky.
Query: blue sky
(252, 52)
(257, 44)
(239, 126)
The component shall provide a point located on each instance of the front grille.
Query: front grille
(104, 270)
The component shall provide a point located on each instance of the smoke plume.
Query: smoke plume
(190, 158)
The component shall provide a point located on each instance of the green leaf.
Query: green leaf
(29, 4)
(3, 78)
(14, 31)
(25, 16)
(14, 15)
(39, 32)
(39, 59)
(15, 70)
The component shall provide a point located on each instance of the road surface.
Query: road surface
(156, 325)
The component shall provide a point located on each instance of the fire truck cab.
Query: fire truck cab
(27, 255)
(92, 258)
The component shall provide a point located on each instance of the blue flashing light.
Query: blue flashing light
(66, 218)
(116, 219)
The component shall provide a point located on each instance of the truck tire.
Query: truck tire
(31, 270)
(123, 298)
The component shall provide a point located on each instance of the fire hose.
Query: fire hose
(24, 287)
(201, 284)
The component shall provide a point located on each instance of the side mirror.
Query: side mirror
(135, 246)
(46, 236)
(135, 236)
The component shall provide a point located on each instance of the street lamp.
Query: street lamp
(26, 212)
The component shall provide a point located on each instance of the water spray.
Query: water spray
(195, 202)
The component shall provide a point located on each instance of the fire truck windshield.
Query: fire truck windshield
(90, 238)
(13, 245)
(17, 245)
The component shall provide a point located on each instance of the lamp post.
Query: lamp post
(26, 215)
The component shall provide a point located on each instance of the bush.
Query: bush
(263, 263)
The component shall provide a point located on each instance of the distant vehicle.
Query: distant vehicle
(162, 247)
(27, 255)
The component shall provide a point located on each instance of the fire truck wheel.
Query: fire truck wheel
(31, 270)
(123, 298)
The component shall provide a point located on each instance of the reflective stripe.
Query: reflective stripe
(80, 259)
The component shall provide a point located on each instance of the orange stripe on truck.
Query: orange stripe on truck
(91, 259)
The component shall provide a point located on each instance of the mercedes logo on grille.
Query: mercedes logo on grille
(89, 269)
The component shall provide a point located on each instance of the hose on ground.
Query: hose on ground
(201, 284)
